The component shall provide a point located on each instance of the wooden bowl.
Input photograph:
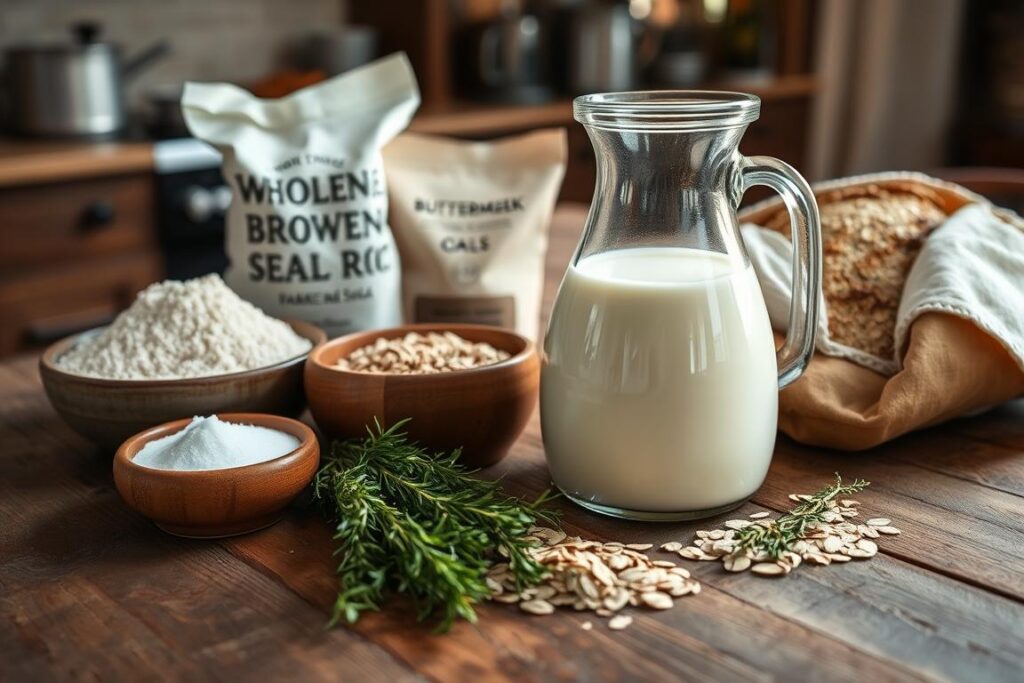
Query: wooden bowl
(482, 410)
(108, 411)
(217, 503)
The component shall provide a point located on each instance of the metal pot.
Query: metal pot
(604, 53)
(607, 47)
(338, 50)
(511, 60)
(72, 89)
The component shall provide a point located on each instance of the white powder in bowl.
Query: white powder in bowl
(174, 330)
(208, 443)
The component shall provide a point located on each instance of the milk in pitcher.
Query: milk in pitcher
(659, 384)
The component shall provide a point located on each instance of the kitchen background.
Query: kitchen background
(235, 40)
(97, 199)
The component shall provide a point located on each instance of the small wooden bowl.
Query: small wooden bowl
(108, 411)
(482, 410)
(217, 503)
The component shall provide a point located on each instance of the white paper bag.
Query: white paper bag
(471, 220)
(307, 231)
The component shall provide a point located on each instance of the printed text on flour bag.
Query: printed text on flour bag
(345, 210)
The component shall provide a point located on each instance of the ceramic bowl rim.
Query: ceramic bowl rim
(48, 361)
(529, 350)
(308, 443)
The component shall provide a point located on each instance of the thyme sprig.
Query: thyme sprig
(782, 534)
(418, 523)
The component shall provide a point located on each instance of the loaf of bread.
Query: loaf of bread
(871, 235)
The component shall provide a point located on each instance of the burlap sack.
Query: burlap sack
(958, 350)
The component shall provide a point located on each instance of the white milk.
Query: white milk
(659, 391)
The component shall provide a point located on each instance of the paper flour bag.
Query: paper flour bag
(471, 221)
(307, 231)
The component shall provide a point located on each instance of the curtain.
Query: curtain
(887, 77)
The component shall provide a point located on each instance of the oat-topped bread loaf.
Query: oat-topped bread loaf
(871, 235)
(936, 260)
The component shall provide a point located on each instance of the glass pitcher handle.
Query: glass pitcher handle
(796, 351)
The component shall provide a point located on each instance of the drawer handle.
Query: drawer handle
(98, 215)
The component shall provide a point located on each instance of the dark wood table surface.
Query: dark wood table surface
(91, 591)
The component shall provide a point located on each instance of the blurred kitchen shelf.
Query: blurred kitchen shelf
(475, 119)
(989, 143)
(471, 119)
(780, 131)
(780, 88)
(427, 31)
(27, 162)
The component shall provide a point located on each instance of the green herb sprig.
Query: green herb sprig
(420, 524)
(781, 535)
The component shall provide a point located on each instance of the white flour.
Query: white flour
(195, 328)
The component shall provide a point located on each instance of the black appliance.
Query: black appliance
(192, 201)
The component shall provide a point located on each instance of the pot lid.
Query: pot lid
(85, 38)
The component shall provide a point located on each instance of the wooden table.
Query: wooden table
(91, 591)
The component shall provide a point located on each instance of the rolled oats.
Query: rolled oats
(603, 578)
(620, 622)
(823, 543)
(537, 607)
(427, 353)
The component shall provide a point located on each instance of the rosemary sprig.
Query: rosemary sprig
(781, 535)
(418, 523)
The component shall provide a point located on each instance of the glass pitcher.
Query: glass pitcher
(660, 379)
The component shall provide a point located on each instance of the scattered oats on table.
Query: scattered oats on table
(837, 539)
(603, 578)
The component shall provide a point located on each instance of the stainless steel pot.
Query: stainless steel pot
(511, 60)
(339, 50)
(603, 49)
(73, 89)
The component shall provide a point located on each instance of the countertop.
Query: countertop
(26, 162)
(91, 591)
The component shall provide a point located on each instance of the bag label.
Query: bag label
(499, 311)
(470, 220)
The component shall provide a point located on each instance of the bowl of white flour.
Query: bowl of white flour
(182, 349)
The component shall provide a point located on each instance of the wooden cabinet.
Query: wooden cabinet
(781, 131)
(581, 172)
(58, 222)
(73, 253)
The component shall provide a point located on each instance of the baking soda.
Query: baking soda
(208, 443)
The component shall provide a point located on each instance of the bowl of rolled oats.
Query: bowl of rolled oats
(471, 387)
